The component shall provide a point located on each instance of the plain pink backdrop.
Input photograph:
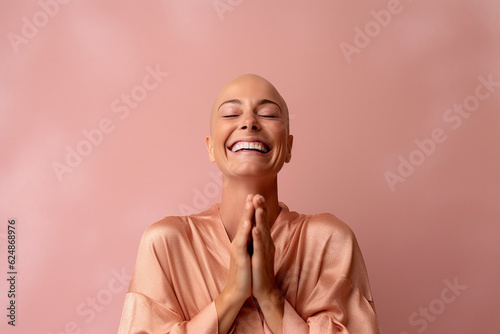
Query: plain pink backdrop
(363, 87)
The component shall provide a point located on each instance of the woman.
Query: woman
(248, 264)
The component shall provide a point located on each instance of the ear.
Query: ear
(210, 148)
(289, 153)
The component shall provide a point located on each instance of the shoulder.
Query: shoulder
(166, 224)
(326, 226)
(167, 231)
(173, 230)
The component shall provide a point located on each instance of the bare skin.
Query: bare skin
(250, 111)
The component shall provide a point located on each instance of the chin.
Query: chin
(249, 170)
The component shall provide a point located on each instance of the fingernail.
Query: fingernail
(261, 199)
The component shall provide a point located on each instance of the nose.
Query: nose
(249, 121)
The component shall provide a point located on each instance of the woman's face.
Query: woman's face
(249, 131)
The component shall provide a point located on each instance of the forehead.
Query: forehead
(249, 88)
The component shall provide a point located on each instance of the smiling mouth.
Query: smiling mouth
(249, 146)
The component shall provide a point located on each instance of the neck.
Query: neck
(234, 193)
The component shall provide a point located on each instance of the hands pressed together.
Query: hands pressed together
(251, 275)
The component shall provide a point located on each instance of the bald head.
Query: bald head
(249, 87)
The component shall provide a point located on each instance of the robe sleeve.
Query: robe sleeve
(333, 295)
(151, 305)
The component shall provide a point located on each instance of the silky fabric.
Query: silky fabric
(183, 265)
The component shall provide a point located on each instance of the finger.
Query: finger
(262, 225)
(260, 204)
(241, 239)
(258, 249)
(249, 210)
(259, 201)
(243, 232)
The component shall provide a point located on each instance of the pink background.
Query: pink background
(354, 115)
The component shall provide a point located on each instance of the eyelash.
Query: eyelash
(265, 116)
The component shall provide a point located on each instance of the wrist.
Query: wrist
(273, 297)
(227, 307)
(272, 306)
(270, 294)
(232, 298)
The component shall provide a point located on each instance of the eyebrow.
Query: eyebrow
(261, 102)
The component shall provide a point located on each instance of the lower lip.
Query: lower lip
(251, 152)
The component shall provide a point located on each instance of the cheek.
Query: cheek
(220, 134)
(219, 143)
(282, 129)
(280, 133)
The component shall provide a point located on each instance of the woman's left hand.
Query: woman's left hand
(263, 282)
(264, 287)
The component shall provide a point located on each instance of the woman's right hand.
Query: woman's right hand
(239, 284)
(240, 270)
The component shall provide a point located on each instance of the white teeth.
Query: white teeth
(250, 146)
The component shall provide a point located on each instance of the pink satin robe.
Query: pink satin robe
(183, 265)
